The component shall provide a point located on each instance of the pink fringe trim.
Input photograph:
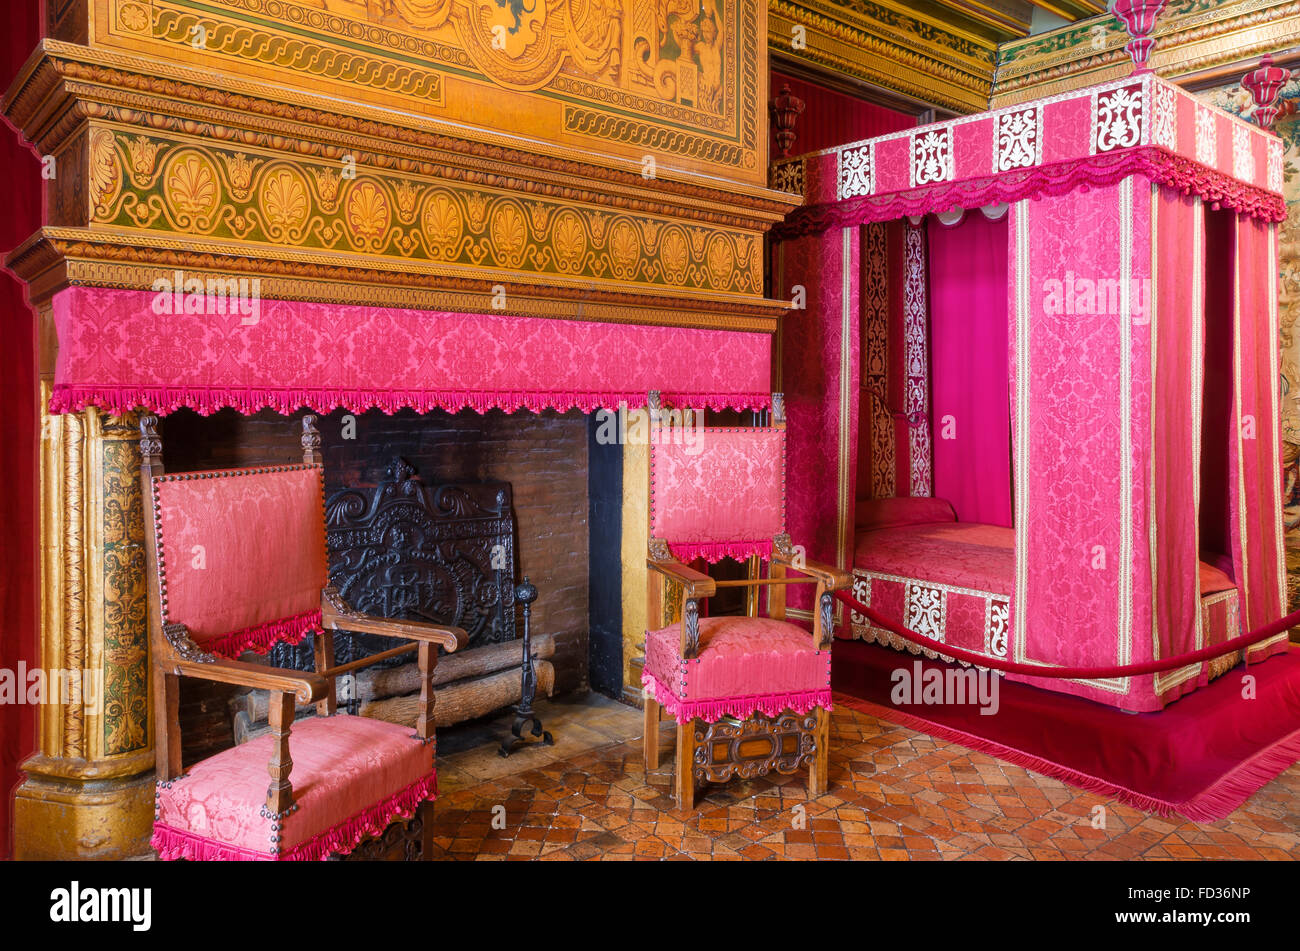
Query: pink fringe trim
(343, 838)
(768, 704)
(716, 551)
(262, 637)
(1217, 801)
(1174, 171)
(118, 399)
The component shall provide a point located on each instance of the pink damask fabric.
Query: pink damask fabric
(1046, 181)
(872, 514)
(719, 494)
(115, 352)
(820, 375)
(744, 665)
(1078, 399)
(953, 582)
(1088, 138)
(1259, 560)
(242, 554)
(1175, 315)
(352, 776)
(963, 554)
(972, 399)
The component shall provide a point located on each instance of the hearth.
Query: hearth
(537, 464)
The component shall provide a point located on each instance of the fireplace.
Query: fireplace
(543, 456)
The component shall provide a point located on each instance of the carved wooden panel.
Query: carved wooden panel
(754, 747)
(425, 553)
(402, 841)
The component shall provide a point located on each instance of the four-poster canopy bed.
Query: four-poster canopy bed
(1047, 433)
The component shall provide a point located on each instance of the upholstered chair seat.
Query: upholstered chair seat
(744, 665)
(352, 777)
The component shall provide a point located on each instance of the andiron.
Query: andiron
(526, 594)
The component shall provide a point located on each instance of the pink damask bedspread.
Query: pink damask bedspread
(953, 581)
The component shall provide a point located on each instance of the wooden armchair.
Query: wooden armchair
(237, 561)
(749, 694)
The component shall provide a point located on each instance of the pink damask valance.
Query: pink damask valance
(118, 352)
(1089, 138)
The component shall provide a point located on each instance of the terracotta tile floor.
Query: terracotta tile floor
(895, 794)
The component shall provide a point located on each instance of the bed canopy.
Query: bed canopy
(1060, 318)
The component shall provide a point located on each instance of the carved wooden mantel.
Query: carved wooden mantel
(161, 166)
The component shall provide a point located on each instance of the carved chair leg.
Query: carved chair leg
(167, 738)
(819, 769)
(323, 649)
(684, 774)
(651, 735)
(279, 795)
(424, 723)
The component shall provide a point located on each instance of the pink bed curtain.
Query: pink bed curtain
(971, 421)
(1176, 327)
(1083, 575)
(1259, 562)
(819, 354)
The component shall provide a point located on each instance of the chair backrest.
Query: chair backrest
(717, 492)
(240, 554)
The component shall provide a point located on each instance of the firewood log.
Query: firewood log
(376, 684)
(461, 701)
(371, 683)
(454, 703)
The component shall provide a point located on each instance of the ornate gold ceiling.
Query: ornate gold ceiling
(964, 55)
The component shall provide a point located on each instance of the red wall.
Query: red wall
(832, 118)
(23, 214)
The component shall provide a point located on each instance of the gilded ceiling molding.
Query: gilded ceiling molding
(1192, 36)
(889, 46)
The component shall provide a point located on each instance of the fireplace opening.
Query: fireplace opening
(565, 488)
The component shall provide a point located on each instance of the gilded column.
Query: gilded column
(88, 791)
(636, 536)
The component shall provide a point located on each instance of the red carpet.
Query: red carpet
(1201, 757)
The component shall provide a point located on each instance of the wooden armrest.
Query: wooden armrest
(337, 615)
(833, 578)
(305, 687)
(695, 583)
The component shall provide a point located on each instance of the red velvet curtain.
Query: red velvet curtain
(833, 118)
(968, 358)
(18, 450)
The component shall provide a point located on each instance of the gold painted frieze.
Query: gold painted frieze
(247, 196)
